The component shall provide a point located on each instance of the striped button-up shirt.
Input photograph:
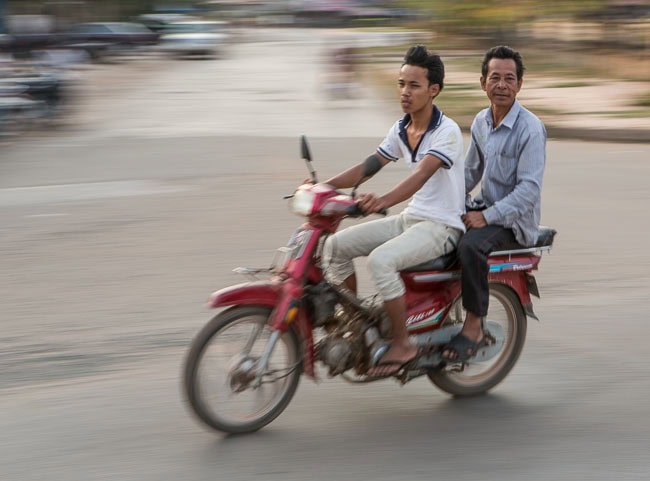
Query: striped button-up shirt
(509, 162)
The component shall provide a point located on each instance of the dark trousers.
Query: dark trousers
(473, 251)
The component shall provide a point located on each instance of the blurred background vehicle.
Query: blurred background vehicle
(46, 88)
(206, 38)
(33, 92)
(101, 38)
(160, 22)
(24, 33)
(17, 108)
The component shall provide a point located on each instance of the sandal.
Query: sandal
(396, 366)
(461, 348)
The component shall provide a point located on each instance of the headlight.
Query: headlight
(302, 202)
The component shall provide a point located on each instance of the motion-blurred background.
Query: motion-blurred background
(588, 60)
(145, 147)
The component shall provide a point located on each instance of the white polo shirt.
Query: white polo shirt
(442, 197)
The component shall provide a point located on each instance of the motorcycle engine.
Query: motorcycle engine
(337, 354)
(321, 301)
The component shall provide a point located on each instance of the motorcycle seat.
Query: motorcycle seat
(438, 264)
(545, 236)
(544, 239)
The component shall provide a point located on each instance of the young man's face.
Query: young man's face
(415, 93)
(501, 83)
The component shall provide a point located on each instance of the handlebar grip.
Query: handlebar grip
(355, 211)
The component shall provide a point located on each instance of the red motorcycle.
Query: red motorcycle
(243, 367)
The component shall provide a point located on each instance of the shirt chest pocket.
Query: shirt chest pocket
(505, 168)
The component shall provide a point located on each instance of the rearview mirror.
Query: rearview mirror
(304, 149)
(306, 155)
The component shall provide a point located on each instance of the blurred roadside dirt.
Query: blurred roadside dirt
(155, 86)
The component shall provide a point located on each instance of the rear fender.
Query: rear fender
(519, 283)
(515, 271)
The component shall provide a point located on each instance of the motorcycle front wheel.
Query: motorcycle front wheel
(221, 371)
(477, 378)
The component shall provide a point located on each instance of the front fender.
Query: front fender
(269, 294)
(260, 293)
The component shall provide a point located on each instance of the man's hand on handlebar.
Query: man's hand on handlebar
(371, 204)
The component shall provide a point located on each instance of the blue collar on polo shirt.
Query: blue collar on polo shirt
(436, 119)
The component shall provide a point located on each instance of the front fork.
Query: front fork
(264, 360)
(287, 311)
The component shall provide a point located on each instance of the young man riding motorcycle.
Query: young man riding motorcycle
(430, 226)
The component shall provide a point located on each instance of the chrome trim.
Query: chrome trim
(436, 277)
(520, 251)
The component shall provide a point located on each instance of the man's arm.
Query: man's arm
(428, 166)
(474, 165)
(355, 175)
(474, 168)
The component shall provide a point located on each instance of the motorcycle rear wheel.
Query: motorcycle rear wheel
(220, 369)
(478, 378)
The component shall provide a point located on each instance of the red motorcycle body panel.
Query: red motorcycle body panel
(513, 263)
(428, 302)
(304, 326)
(430, 294)
(257, 293)
(516, 281)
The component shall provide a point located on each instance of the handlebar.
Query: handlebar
(355, 211)
(324, 200)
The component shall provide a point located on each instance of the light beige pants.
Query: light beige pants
(391, 244)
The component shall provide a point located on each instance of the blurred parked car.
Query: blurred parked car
(160, 22)
(99, 38)
(23, 33)
(199, 37)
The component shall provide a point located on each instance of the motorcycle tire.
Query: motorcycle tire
(238, 382)
(470, 383)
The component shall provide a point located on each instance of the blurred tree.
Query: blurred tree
(494, 18)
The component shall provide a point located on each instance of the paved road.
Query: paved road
(112, 236)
